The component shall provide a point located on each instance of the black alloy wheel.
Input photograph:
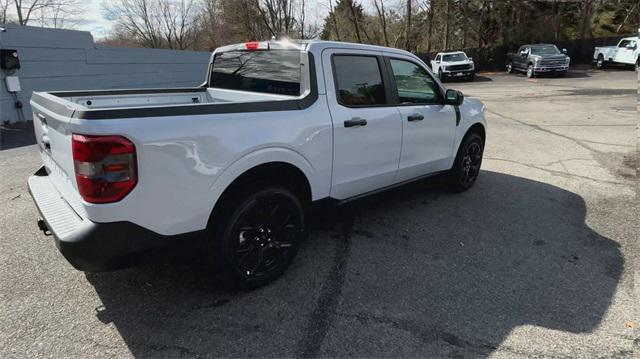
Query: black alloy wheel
(600, 62)
(263, 236)
(466, 167)
(510, 68)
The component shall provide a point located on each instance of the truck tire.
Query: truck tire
(600, 62)
(530, 71)
(472, 77)
(260, 236)
(466, 166)
(510, 67)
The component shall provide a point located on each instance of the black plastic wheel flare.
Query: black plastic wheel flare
(471, 163)
(264, 237)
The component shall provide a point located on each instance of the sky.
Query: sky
(94, 21)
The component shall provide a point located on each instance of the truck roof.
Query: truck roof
(531, 45)
(312, 45)
(450, 53)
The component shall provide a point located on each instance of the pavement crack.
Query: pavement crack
(178, 350)
(555, 172)
(330, 294)
(426, 334)
(540, 128)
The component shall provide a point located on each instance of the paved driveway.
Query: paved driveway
(535, 261)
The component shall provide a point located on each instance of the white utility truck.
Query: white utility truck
(453, 65)
(626, 52)
(236, 162)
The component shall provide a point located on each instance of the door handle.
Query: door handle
(356, 121)
(415, 117)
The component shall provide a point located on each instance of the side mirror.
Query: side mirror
(470, 58)
(564, 51)
(438, 61)
(453, 97)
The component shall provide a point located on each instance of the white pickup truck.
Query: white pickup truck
(237, 162)
(453, 65)
(626, 52)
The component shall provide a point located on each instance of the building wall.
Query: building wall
(57, 60)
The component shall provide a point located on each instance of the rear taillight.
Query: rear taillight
(105, 167)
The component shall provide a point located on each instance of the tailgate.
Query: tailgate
(53, 136)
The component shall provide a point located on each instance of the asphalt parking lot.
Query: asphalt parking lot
(537, 260)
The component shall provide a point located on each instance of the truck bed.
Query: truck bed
(108, 99)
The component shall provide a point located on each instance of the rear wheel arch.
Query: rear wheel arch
(275, 173)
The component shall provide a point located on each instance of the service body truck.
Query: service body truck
(626, 53)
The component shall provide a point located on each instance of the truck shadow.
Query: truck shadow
(16, 135)
(454, 272)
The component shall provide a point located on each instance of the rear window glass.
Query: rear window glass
(359, 80)
(272, 71)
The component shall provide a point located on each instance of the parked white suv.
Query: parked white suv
(277, 125)
(453, 65)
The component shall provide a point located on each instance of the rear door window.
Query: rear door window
(358, 80)
(271, 71)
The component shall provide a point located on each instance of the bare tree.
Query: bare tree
(354, 19)
(447, 18)
(47, 13)
(629, 9)
(26, 9)
(382, 16)
(302, 17)
(179, 23)
(61, 14)
(4, 7)
(140, 19)
(278, 16)
(334, 18)
(156, 23)
(407, 29)
(465, 23)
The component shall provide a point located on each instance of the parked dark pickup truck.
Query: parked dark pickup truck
(538, 59)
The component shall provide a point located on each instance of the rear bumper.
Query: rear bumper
(97, 247)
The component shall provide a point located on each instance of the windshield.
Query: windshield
(271, 71)
(545, 50)
(454, 57)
